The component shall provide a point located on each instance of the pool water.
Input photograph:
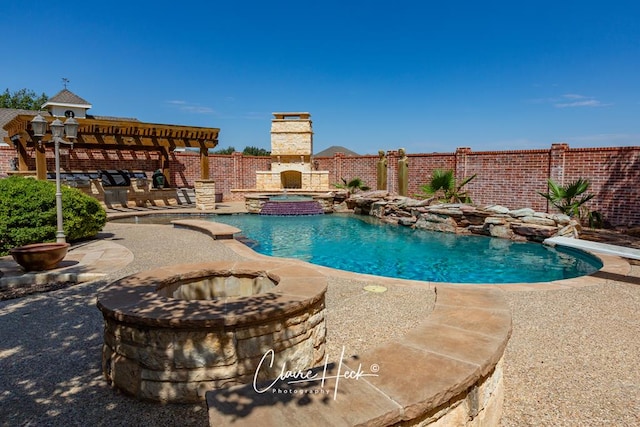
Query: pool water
(366, 245)
(363, 244)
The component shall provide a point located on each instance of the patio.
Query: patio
(572, 357)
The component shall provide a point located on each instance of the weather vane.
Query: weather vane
(65, 81)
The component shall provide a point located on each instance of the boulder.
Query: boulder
(378, 209)
(436, 223)
(502, 231)
(479, 229)
(413, 203)
(495, 220)
(407, 221)
(444, 210)
(497, 209)
(534, 232)
(538, 220)
(519, 213)
(561, 219)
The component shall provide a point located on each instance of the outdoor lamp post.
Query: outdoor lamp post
(70, 128)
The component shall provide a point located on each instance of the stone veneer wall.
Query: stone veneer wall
(172, 350)
(291, 134)
(254, 202)
(480, 405)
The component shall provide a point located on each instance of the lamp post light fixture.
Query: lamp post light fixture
(70, 128)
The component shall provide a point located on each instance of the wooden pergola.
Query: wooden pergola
(118, 134)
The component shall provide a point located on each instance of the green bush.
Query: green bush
(28, 213)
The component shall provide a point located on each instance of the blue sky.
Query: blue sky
(428, 76)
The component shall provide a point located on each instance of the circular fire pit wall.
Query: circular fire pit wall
(172, 334)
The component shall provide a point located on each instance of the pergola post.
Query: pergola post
(204, 163)
(41, 162)
(164, 165)
(23, 166)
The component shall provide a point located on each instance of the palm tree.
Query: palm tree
(444, 182)
(355, 185)
(566, 198)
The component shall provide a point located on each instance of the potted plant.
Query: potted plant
(39, 256)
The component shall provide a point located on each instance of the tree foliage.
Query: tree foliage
(443, 186)
(229, 150)
(248, 151)
(28, 213)
(255, 151)
(23, 99)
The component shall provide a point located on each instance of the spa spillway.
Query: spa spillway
(173, 333)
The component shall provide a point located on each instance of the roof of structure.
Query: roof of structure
(112, 132)
(66, 97)
(8, 114)
(331, 151)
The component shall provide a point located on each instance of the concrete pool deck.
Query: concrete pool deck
(572, 358)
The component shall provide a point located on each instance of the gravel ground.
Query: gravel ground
(574, 356)
(50, 343)
(572, 359)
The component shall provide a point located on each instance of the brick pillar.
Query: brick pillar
(337, 166)
(238, 176)
(557, 161)
(460, 162)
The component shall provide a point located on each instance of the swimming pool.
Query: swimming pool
(366, 245)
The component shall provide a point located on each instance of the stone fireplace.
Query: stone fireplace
(291, 150)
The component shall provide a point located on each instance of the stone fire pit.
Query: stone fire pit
(173, 333)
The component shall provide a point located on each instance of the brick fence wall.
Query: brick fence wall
(509, 178)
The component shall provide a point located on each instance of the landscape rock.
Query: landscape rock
(519, 213)
(539, 220)
(497, 209)
(493, 220)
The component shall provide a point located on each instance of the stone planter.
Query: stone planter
(39, 256)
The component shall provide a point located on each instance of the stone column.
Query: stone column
(205, 194)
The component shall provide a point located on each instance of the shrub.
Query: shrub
(355, 185)
(568, 198)
(28, 213)
(443, 185)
